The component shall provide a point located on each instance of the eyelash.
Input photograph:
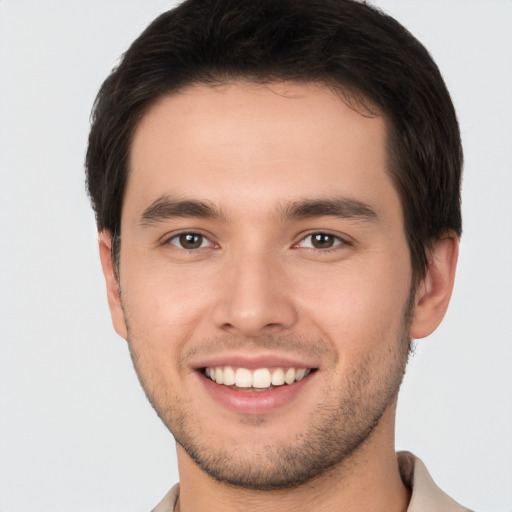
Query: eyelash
(178, 237)
(337, 241)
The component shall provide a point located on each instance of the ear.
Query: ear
(434, 292)
(113, 295)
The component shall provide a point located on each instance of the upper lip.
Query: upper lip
(252, 362)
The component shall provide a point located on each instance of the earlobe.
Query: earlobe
(434, 292)
(112, 284)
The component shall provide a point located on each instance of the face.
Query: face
(264, 278)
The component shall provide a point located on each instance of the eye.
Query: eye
(320, 241)
(190, 241)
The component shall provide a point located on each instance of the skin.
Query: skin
(257, 287)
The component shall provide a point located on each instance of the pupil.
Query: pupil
(321, 240)
(191, 241)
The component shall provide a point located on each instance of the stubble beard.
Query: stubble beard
(334, 431)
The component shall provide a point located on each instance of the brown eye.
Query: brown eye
(189, 241)
(321, 241)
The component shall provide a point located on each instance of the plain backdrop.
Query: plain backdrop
(76, 432)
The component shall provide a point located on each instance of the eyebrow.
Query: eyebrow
(165, 208)
(343, 207)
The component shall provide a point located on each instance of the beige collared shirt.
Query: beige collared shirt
(426, 496)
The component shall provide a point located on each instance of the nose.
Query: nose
(254, 297)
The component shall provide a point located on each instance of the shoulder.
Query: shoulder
(426, 495)
(169, 500)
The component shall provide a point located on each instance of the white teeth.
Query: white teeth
(278, 377)
(261, 378)
(289, 376)
(300, 374)
(229, 376)
(243, 378)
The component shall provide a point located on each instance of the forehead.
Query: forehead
(244, 143)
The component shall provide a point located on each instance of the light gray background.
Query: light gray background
(76, 432)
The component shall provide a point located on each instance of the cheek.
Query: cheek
(160, 321)
(162, 307)
(361, 303)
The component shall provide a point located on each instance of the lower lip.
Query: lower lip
(255, 402)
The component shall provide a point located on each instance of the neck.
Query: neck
(368, 480)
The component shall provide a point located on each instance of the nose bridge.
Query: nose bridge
(253, 297)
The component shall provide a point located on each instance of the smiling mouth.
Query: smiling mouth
(260, 379)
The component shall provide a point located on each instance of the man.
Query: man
(276, 187)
